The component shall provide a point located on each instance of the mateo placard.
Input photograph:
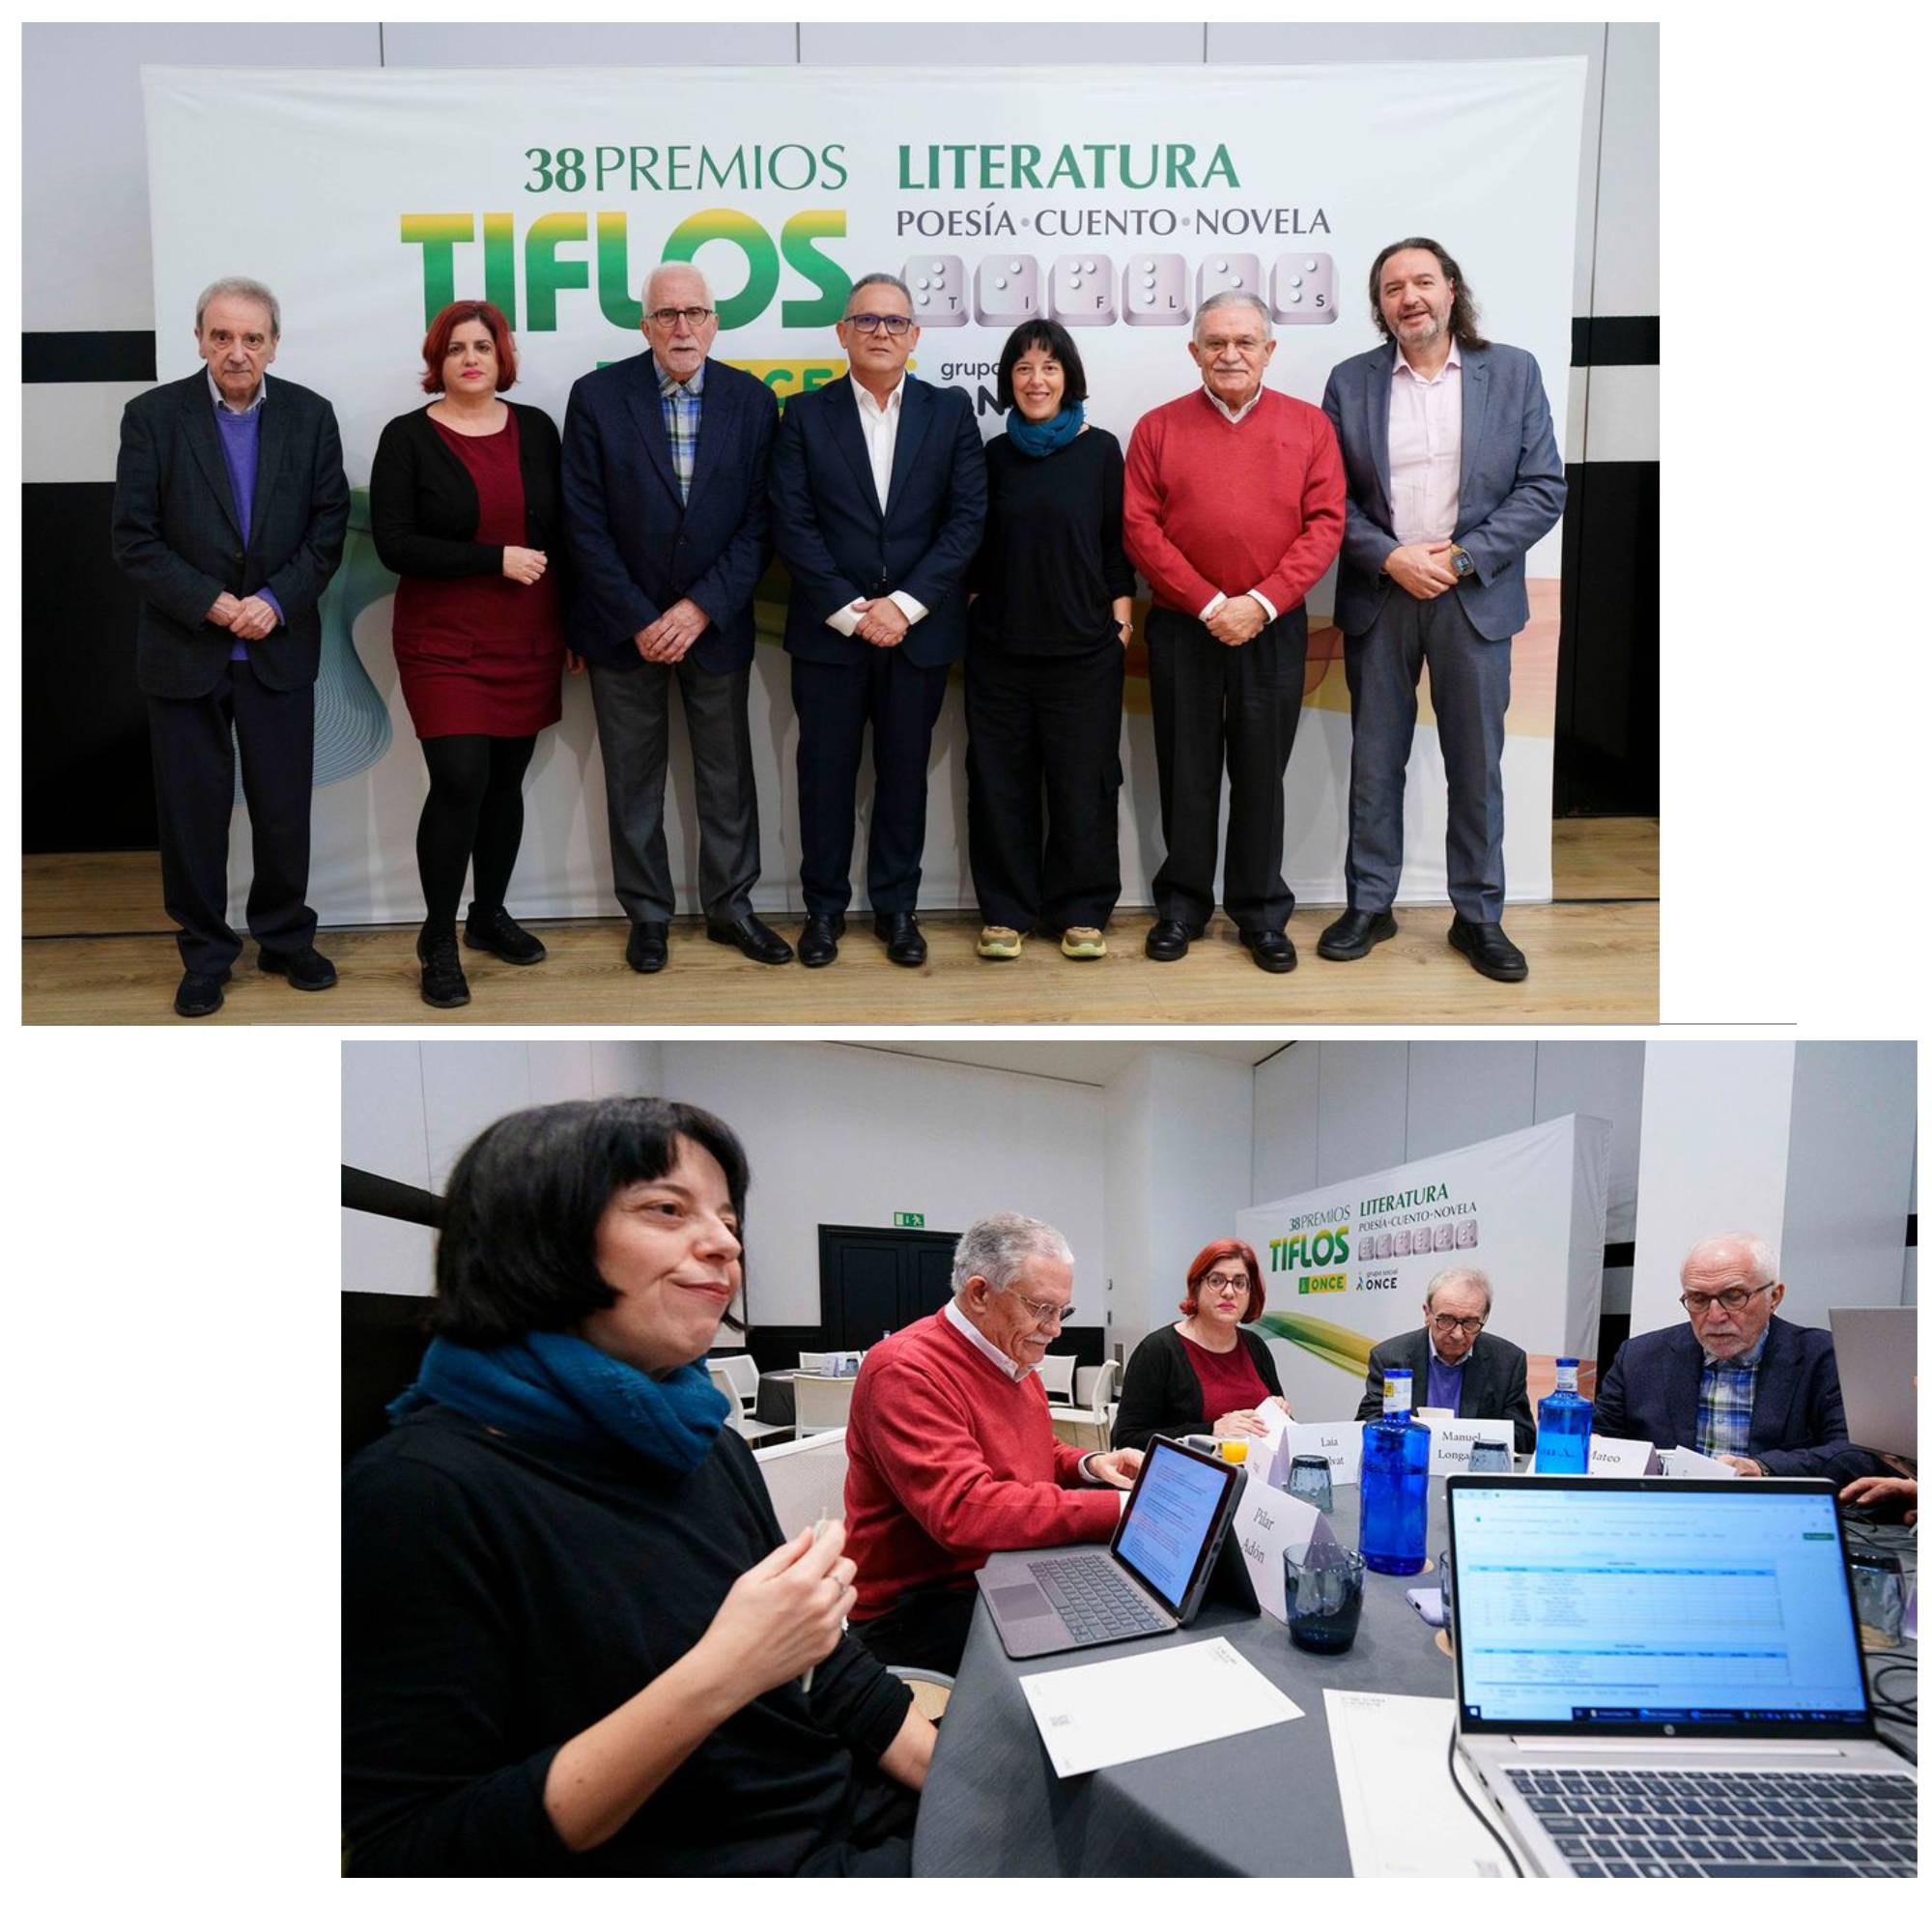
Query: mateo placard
(1620, 1456)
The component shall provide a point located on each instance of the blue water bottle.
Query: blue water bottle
(1563, 1426)
(1395, 1484)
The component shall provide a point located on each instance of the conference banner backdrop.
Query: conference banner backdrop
(1115, 199)
(1347, 1267)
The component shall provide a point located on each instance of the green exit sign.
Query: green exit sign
(908, 1220)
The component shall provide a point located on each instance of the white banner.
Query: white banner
(1347, 1266)
(1115, 204)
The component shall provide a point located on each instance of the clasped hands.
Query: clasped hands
(1237, 620)
(249, 617)
(881, 621)
(674, 634)
(1422, 569)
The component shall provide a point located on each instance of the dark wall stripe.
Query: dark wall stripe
(1613, 341)
(1619, 1254)
(88, 355)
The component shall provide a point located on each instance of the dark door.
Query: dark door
(875, 1279)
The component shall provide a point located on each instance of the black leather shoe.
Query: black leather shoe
(496, 932)
(752, 937)
(649, 947)
(1487, 948)
(1354, 933)
(818, 943)
(442, 981)
(1168, 939)
(905, 943)
(1272, 952)
(200, 994)
(305, 969)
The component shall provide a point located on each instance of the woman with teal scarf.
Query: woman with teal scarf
(574, 1640)
(1052, 611)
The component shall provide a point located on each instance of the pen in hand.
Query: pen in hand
(818, 1530)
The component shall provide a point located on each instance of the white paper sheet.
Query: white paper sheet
(1403, 1816)
(1093, 1714)
(1688, 1462)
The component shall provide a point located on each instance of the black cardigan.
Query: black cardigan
(1162, 1394)
(499, 1597)
(422, 504)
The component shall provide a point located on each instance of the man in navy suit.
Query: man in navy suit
(1733, 1381)
(879, 495)
(665, 459)
(230, 509)
(1453, 474)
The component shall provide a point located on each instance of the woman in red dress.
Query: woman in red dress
(466, 508)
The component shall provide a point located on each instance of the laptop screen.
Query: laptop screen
(1667, 1607)
(1164, 1537)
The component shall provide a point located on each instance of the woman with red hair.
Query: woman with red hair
(464, 505)
(1205, 1374)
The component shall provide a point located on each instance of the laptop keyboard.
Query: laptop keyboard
(1094, 1601)
(1764, 1823)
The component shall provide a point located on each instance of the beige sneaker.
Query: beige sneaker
(1084, 942)
(999, 942)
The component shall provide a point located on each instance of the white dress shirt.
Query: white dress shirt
(1426, 449)
(881, 427)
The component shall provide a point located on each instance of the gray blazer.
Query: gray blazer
(1511, 489)
(177, 538)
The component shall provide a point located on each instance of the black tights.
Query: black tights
(474, 809)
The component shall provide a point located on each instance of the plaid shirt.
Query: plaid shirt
(1724, 1399)
(683, 405)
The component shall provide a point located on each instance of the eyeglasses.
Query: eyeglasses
(1733, 1298)
(669, 318)
(1461, 1325)
(1240, 1281)
(870, 324)
(1042, 1310)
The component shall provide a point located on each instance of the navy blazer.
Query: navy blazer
(1798, 1416)
(1495, 1382)
(637, 545)
(838, 545)
(1510, 490)
(177, 537)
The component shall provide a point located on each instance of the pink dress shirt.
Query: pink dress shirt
(1425, 450)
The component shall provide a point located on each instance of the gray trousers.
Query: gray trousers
(633, 729)
(1469, 683)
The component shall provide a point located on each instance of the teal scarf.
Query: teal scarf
(1042, 438)
(555, 1388)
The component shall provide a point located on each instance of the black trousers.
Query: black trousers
(834, 703)
(1218, 706)
(1044, 726)
(194, 742)
(926, 1627)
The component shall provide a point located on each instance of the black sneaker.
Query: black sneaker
(495, 932)
(305, 969)
(442, 981)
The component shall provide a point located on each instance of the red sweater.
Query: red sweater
(947, 1459)
(1233, 507)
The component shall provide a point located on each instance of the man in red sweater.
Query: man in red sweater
(1235, 506)
(950, 1453)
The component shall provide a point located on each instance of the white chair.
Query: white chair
(741, 1373)
(806, 1480)
(811, 1365)
(1089, 1424)
(739, 1418)
(820, 1401)
(1056, 1375)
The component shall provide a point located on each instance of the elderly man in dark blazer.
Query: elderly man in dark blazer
(665, 457)
(230, 509)
(879, 495)
(1454, 1361)
(1453, 474)
(1732, 1380)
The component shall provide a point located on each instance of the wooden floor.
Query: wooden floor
(99, 950)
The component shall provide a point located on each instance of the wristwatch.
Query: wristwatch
(1463, 563)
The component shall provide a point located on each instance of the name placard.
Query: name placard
(1620, 1456)
(1450, 1442)
(1265, 1524)
(1689, 1462)
(1340, 1441)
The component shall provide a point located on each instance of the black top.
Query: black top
(1051, 562)
(423, 510)
(1161, 1395)
(499, 1598)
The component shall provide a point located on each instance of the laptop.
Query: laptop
(1877, 1350)
(1661, 1678)
(1152, 1577)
